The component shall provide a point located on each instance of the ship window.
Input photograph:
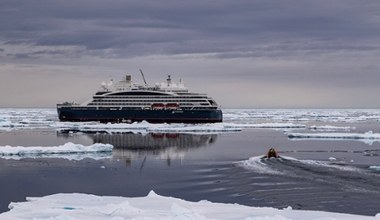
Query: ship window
(138, 93)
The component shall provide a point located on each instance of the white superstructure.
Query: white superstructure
(168, 95)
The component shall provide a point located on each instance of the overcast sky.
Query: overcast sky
(251, 54)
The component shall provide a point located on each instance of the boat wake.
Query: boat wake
(349, 178)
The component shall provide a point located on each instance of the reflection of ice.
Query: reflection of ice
(69, 151)
(368, 137)
(152, 206)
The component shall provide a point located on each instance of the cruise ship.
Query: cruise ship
(126, 101)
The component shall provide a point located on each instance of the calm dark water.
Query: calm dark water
(204, 167)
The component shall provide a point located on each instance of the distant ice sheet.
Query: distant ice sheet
(69, 151)
(368, 137)
(301, 115)
(153, 206)
(24, 118)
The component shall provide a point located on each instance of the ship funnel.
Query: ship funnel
(169, 80)
(128, 78)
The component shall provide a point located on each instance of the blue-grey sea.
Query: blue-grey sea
(330, 159)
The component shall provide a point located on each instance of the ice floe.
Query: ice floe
(331, 128)
(152, 206)
(367, 137)
(68, 151)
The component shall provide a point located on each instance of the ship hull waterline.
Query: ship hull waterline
(152, 116)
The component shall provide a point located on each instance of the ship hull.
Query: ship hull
(103, 114)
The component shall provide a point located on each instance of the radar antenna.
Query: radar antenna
(142, 74)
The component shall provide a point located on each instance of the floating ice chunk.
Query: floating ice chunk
(85, 206)
(332, 158)
(368, 137)
(67, 151)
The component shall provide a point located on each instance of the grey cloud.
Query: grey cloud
(291, 43)
(187, 27)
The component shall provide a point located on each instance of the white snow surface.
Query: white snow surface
(69, 151)
(85, 206)
(367, 137)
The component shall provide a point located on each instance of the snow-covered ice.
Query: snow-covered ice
(69, 151)
(367, 137)
(153, 206)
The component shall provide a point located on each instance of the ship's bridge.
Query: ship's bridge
(128, 85)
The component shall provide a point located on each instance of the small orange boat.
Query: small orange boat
(272, 153)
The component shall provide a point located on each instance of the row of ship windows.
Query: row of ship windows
(138, 108)
(153, 97)
(140, 104)
(147, 101)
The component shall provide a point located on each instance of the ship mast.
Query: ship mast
(142, 74)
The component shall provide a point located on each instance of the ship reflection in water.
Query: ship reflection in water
(162, 146)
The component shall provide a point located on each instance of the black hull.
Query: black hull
(152, 116)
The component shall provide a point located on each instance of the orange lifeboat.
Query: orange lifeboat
(158, 106)
(172, 106)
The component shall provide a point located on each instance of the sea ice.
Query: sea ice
(152, 206)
